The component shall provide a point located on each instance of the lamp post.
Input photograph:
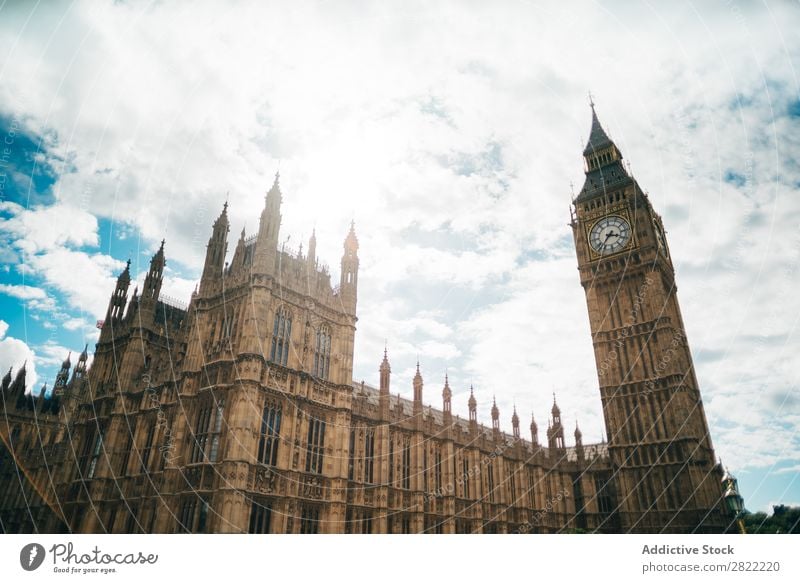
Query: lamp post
(733, 499)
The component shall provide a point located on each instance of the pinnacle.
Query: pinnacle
(598, 138)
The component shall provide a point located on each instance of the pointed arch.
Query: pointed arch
(281, 336)
(322, 352)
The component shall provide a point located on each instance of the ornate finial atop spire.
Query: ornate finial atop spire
(447, 394)
(351, 241)
(555, 410)
(591, 100)
(385, 371)
(275, 189)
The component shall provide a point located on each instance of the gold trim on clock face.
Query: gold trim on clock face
(610, 235)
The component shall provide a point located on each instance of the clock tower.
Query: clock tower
(664, 464)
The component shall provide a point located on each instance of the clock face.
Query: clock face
(609, 235)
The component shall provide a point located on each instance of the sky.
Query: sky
(451, 133)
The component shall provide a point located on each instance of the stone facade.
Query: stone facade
(238, 413)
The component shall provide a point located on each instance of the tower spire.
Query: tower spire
(268, 228)
(155, 276)
(348, 285)
(447, 396)
(216, 250)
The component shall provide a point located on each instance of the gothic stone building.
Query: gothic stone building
(238, 413)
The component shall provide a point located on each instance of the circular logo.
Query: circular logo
(31, 556)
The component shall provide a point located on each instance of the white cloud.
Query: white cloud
(86, 280)
(23, 292)
(50, 227)
(13, 353)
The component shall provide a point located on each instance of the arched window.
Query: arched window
(322, 353)
(281, 337)
(270, 434)
(207, 432)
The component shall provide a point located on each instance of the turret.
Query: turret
(80, 367)
(216, 250)
(417, 392)
(62, 378)
(555, 432)
(534, 431)
(7, 380)
(154, 278)
(18, 386)
(385, 378)
(312, 251)
(515, 423)
(578, 442)
(495, 419)
(44, 401)
(116, 305)
(238, 254)
(447, 396)
(348, 286)
(268, 228)
(473, 411)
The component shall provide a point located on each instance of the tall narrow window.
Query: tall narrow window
(193, 515)
(351, 462)
(207, 431)
(309, 520)
(132, 523)
(391, 462)
(407, 464)
(281, 337)
(438, 469)
(465, 476)
(260, 517)
(369, 455)
(166, 449)
(425, 469)
(270, 434)
(217, 427)
(490, 481)
(112, 518)
(148, 446)
(322, 353)
(98, 447)
(512, 482)
(531, 488)
(202, 520)
(126, 454)
(315, 445)
(186, 515)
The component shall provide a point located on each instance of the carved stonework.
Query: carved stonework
(312, 488)
(265, 480)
